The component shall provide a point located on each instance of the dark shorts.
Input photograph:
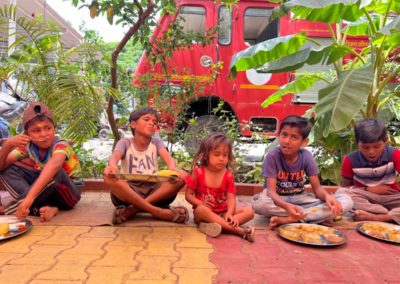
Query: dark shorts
(61, 192)
(144, 189)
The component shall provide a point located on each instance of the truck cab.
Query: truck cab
(238, 26)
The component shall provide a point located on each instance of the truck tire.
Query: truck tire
(194, 133)
(104, 134)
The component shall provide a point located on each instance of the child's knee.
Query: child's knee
(260, 207)
(201, 209)
(249, 211)
(345, 200)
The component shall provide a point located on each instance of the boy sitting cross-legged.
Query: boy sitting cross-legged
(284, 169)
(138, 155)
(40, 172)
(370, 174)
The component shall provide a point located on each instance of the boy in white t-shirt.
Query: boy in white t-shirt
(138, 155)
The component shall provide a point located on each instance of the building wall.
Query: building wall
(33, 8)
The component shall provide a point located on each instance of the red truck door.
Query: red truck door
(197, 59)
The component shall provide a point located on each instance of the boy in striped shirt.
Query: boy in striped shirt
(370, 174)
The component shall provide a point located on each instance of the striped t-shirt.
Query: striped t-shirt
(365, 173)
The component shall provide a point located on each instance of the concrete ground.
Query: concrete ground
(81, 246)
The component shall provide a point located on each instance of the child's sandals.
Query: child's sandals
(249, 234)
(181, 214)
(123, 213)
(210, 229)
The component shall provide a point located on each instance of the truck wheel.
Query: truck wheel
(195, 133)
(104, 134)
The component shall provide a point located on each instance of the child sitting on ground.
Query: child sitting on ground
(211, 190)
(138, 155)
(40, 172)
(284, 169)
(370, 173)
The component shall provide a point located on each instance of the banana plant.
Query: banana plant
(361, 86)
(40, 63)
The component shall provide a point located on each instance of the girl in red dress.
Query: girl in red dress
(211, 190)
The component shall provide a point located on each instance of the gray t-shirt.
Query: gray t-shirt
(135, 161)
(289, 178)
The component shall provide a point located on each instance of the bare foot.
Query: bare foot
(277, 220)
(47, 213)
(361, 215)
(328, 223)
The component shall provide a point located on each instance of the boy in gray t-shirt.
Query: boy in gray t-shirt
(284, 169)
(139, 155)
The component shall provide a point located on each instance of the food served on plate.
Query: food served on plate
(311, 238)
(334, 238)
(311, 234)
(381, 231)
(11, 227)
(4, 228)
(290, 234)
(394, 236)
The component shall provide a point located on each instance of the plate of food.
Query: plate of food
(380, 230)
(160, 176)
(11, 227)
(312, 234)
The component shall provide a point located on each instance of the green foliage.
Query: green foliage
(269, 50)
(302, 83)
(362, 84)
(92, 167)
(41, 64)
(98, 68)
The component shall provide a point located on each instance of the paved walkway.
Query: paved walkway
(170, 253)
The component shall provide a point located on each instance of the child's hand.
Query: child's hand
(334, 204)
(382, 189)
(23, 209)
(231, 220)
(181, 173)
(295, 211)
(110, 170)
(17, 140)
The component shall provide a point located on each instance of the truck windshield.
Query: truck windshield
(257, 27)
(194, 19)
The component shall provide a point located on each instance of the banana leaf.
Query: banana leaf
(302, 83)
(389, 42)
(327, 11)
(361, 26)
(392, 27)
(326, 55)
(381, 7)
(339, 102)
(268, 50)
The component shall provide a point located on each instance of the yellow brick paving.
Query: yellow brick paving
(85, 254)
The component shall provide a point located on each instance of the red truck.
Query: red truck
(239, 26)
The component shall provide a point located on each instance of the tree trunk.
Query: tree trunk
(114, 83)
